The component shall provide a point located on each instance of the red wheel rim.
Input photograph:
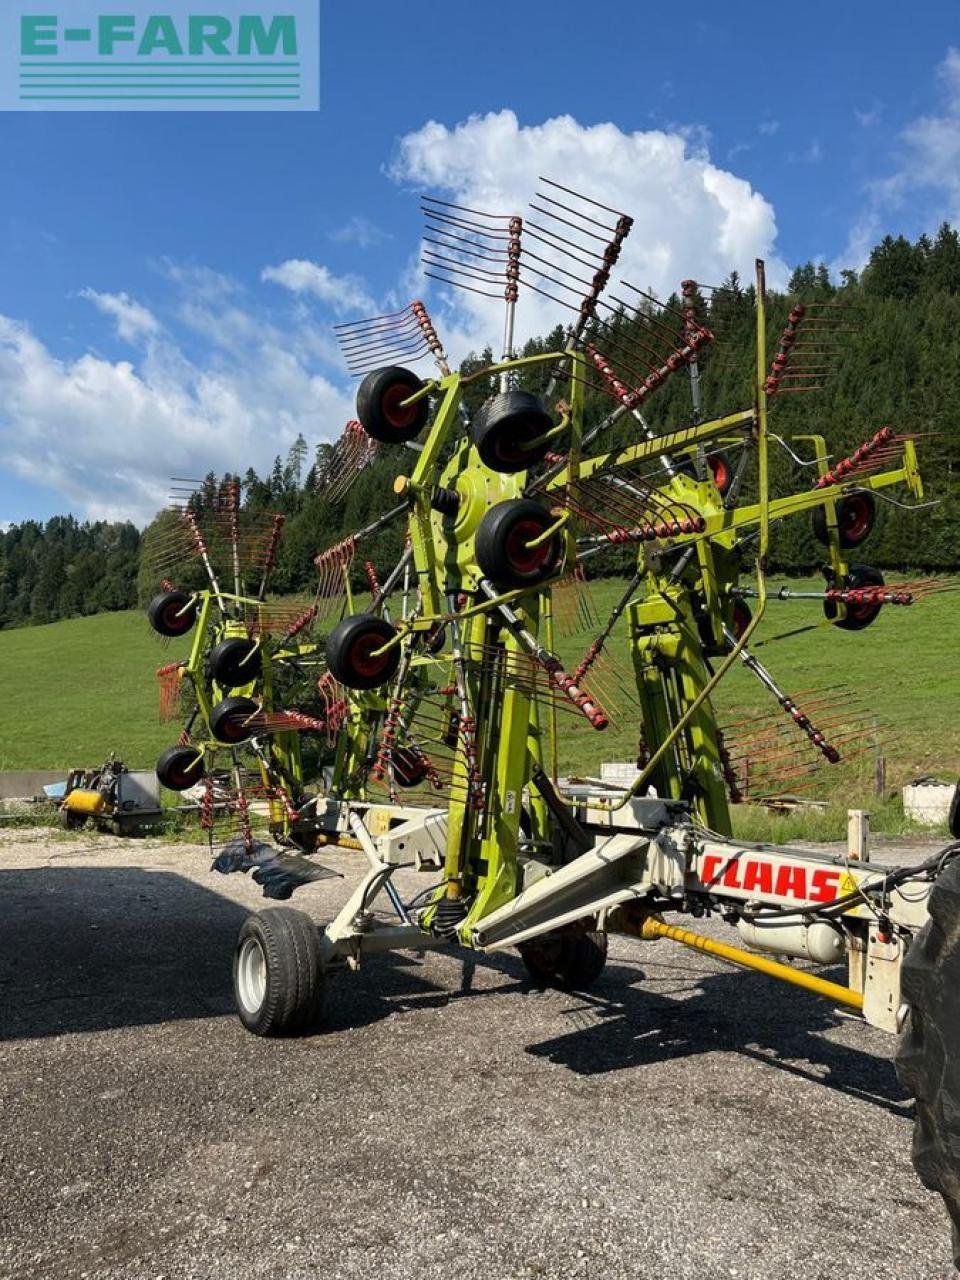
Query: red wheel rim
(174, 617)
(721, 472)
(741, 617)
(855, 517)
(363, 658)
(526, 560)
(511, 447)
(409, 767)
(396, 413)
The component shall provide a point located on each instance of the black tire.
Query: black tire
(856, 516)
(504, 428)
(278, 977)
(228, 720)
(180, 768)
(953, 817)
(71, 821)
(501, 549)
(570, 961)
(741, 615)
(235, 662)
(410, 767)
(172, 613)
(380, 410)
(928, 1053)
(856, 616)
(351, 646)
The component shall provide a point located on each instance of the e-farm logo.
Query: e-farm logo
(80, 55)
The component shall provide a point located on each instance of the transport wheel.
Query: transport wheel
(179, 768)
(571, 961)
(235, 662)
(228, 720)
(953, 817)
(504, 428)
(352, 656)
(502, 538)
(856, 516)
(381, 410)
(856, 616)
(172, 613)
(409, 767)
(928, 1054)
(278, 978)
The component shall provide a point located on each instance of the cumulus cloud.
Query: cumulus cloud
(342, 293)
(925, 172)
(133, 321)
(107, 435)
(691, 218)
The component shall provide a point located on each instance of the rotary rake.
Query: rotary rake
(451, 693)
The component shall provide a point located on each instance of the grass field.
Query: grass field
(76, 690)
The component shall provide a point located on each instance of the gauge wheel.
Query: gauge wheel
(278, 975)
(381, 410)
(503, 542)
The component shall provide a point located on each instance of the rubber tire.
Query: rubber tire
(501, 426)
(741, 615)
(71, 821)
(570, 961)
(295, 981)
(377, 410)
(361, 629)
(176, 764)
(858, 618)
(409, 767)
(227, 717)
(845, 508)
(168, 615)
(953, 817)
(928, 1053)
(227, 665)
(493, 548)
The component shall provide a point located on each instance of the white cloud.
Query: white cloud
(867, 119)
(359, 231)
(107, 435)
(768, 128)
(691, 218)
(925, 173)
(133, 320)
(812, 154)
(342, 293)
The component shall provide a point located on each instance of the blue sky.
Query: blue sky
(139, 332)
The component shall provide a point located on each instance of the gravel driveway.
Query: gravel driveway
(452, 1121)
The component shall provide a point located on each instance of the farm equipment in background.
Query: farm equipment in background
(112, 798)
(445, 689)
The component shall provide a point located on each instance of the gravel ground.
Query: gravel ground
(452, 1120)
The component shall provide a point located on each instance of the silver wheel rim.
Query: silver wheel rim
(251, 975)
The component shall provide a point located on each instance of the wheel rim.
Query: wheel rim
(364, 660)
(856, 518)
(721, 473)
(394, 411)
(251, 975)
(523, 559)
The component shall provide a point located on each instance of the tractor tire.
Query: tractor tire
(278, 976)
(856, 516)
(380, 409)
(235, 662)
(228, 720)
(180, 768)
(953, 817)
(928, 1054)
(351, 652)
(172, 613)
(504, 428)
(501, 549)
(570, 961)
(856, 616)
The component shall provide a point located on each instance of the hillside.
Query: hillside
(81, 688)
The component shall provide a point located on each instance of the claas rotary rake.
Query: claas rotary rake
(449, 695)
